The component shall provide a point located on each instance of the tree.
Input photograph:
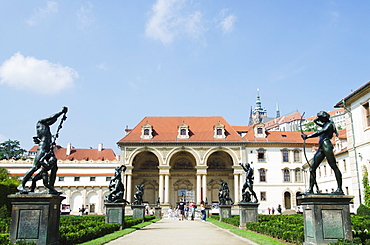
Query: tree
(310, 127)
(8, 185)
(365, 182)
(11, 149)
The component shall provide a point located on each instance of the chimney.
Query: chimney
(100, 147)
(69, 147)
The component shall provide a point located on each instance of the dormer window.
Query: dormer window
(147, 131)
(183, 131)
(219, 131)
(259, 130)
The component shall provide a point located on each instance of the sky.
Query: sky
(112, 63)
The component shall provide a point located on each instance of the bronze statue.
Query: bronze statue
(139, 195)
(224, 194)
(117, 190)
(246, 195)
(45, 156)
(325, 150)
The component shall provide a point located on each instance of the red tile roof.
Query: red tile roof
(283, 119)
(165, 129)
(82, 154)
(86, 154)
(201, 128)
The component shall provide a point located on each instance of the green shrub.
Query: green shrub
(287, 227)
(363, 210)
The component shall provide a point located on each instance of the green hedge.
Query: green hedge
(287, 227)
(79, 229)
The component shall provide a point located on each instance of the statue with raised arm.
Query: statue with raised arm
(248, 185)
(325, 150)
(138, 196)
(117, 190)
(45, 157)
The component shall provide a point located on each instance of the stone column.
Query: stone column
(236, 187)
(204, 185)
(99, 205)
(160, 188)
(326, 218)
(35, 218)
(129, 187)
(198, 188)
(166, 188)
(241, 183)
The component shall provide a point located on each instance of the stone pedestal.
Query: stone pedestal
(158, 212)
(326, 218)
(208, 209)
(35, 218)
(225, 211)
(248, 212)
(138, 211)
(115, 213)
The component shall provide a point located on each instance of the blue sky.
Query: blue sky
(115, 62)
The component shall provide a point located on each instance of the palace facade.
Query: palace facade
(189, 157)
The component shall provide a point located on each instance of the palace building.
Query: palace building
(189, 157)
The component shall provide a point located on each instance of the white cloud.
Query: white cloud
(226, 22)
(171, 19)
(102, 66)
(40, 14)
(41, 76)
(85, 16)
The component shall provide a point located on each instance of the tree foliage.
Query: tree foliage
(11, 149)
(310, 127)
(8, 185)
(365, 182)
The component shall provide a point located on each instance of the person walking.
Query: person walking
(203, 211)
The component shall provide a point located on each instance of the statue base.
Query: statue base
(35, 218)
(248, 212)
(225, 211)
(326, 218)
(138, 211)
(115, 213)
(158, 212)
(208, 210)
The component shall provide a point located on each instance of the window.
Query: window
(263, 196)
(219, 131)
(367, 113)
(77, 178)
(286, 175)
(108, 178)
(261, 155)
(92, 178)
(259, 131)
(147, 131)
(262, 175)
(324, 170)
(285, 155)
(297, 156)
(319, 172)
(344, 165)
(183, 131)
(61, 178)
(298, 175)
(347, 192)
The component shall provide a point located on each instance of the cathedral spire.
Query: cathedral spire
(277, 110)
